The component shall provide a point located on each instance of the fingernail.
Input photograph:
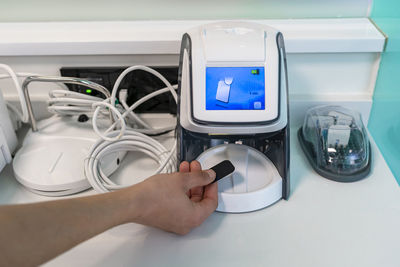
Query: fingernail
(211, 174)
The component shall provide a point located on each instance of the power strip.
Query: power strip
(139, 83)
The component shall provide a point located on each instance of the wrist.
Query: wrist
(131, 204)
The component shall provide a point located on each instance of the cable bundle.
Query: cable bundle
(63, 102)
(130, 141)
(127, 139)
(127, 132)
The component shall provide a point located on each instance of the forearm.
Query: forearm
(34, 233)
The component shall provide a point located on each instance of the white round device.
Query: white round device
(255, 183)
(51, 161)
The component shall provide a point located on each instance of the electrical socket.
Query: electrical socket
(138, 83)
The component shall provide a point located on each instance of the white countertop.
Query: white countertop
(324, 223)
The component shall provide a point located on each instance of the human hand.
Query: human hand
(176, 202)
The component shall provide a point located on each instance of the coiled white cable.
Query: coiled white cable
(127, 140)
(130, 141)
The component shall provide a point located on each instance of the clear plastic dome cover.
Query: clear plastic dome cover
(336, 143)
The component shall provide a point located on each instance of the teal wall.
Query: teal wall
(89, 10)
(384, 123)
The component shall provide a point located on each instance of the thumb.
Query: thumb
(200, 178)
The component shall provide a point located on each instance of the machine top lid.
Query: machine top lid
(233, 43)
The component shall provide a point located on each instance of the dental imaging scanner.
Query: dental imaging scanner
(233, 106)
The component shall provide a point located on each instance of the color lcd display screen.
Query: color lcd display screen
(235, 88)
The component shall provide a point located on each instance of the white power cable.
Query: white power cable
(116, 112)
(65, 102)
(138, 103)
(127, 140)
(23, 117)
(122, 96)
(147, 128)
(13, 75)
(169, 88)
(144, 68)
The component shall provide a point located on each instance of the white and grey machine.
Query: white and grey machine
(53, 154)
(233, 105)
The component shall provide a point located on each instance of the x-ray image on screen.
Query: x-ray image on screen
(235, 88)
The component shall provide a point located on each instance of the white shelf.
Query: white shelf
(163, 37)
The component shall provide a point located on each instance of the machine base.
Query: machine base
(255, 183)
(51, 161)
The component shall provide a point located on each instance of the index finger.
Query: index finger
(196, 193)
(184, 166)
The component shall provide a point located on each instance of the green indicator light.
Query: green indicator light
(88, 91)
(255, 72)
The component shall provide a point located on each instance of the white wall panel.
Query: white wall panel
(89, 10)
(349, 74)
